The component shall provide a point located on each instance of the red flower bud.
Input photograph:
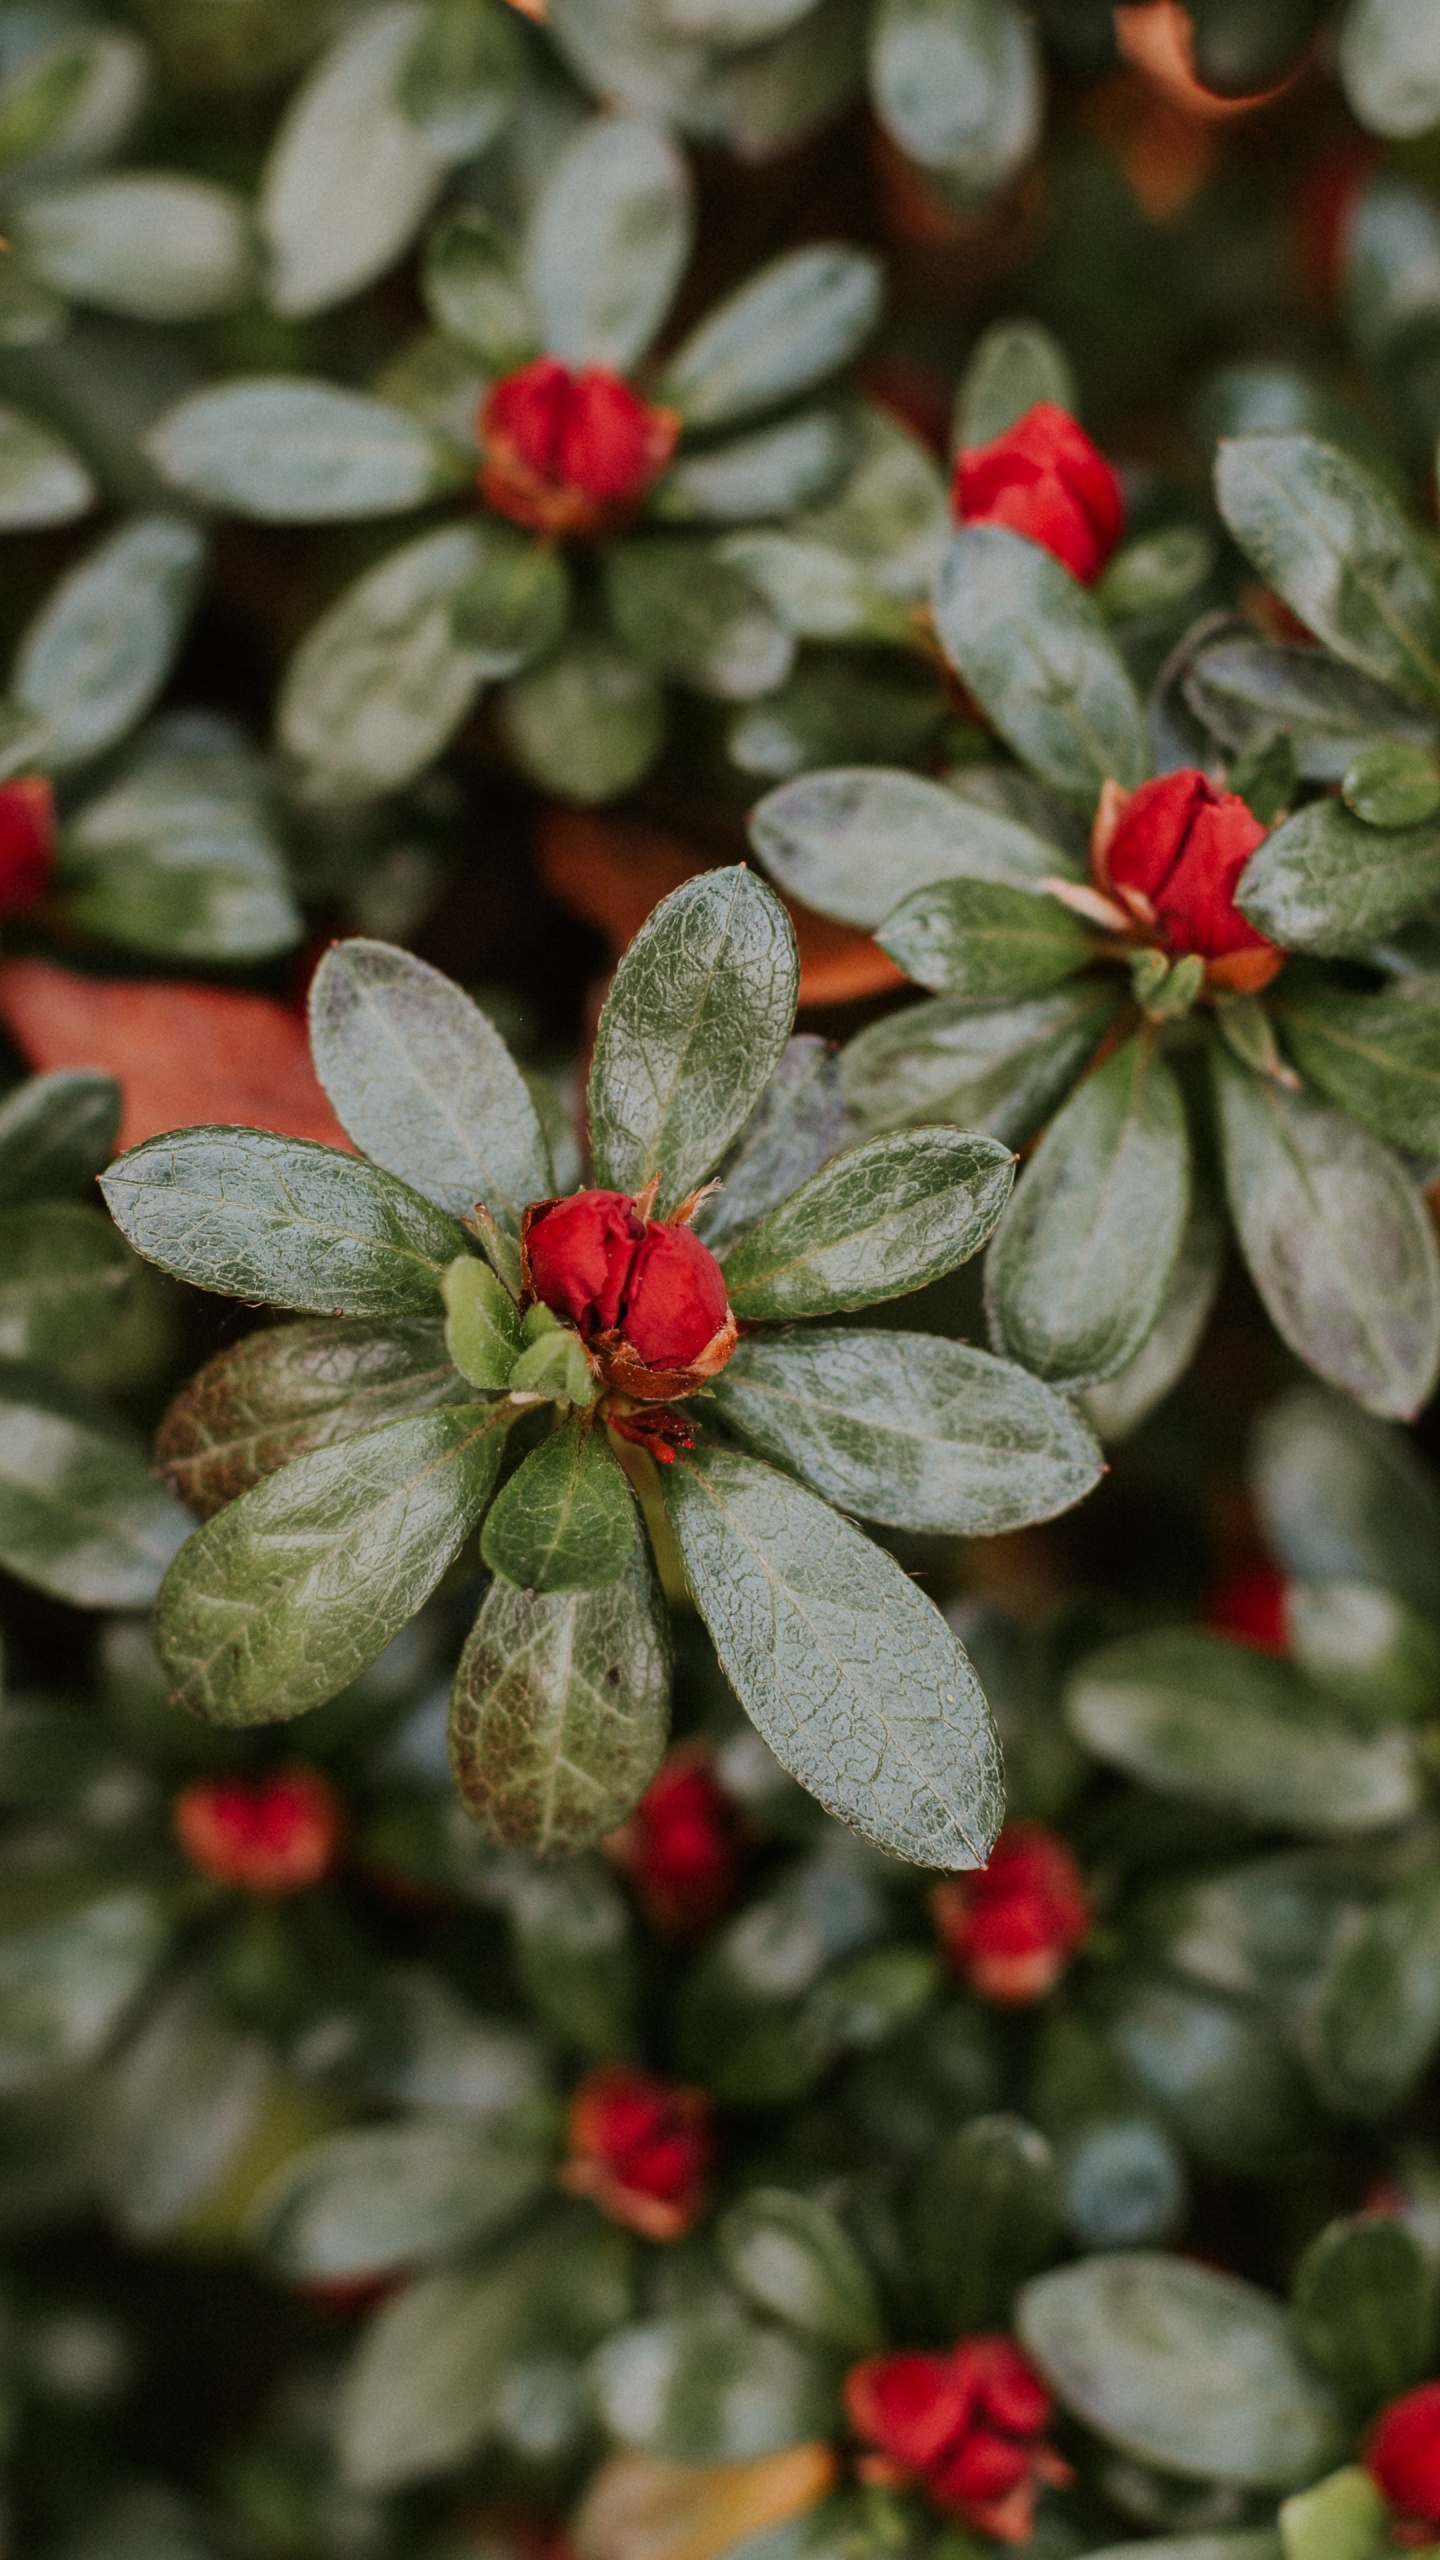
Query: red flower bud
(1012, 1929)
(1402, 2456)
(967, 2426)
(644, 1293)
(27, 843)
(642, 2149)
(570, 452)
(1044, 478)
(1249, 1606)
(680, 1846)
(1172, 853)
(276, 1834)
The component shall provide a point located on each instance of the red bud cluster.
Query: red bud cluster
(271, 1835)
(570, 453)
(641, 2149)
(967, 2427)
(1012, 1929)
(646, 1296)
(1043, 478)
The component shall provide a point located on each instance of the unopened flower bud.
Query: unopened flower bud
(644, 1293)
(1043, 478)
(1172, 853)
(570, 452)
(1402, 2456)
(643, 2150)
(680, 1846)
(27, 843)
(270, 1835)
(1012, 1929)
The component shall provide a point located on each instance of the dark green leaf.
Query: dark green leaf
(794, 2260)
(181, 854)
(565, 1520)
(349, 176)
(908, 1429)
(787, 328)
(852, 1677)
(560, 1708)
(462, 79)
(101, 646)
(68, 1978)
(1377, 1056)
(294, 1387)
(1244, 689)
(1079, 1270)
(483, 1332)
(1183, 2368)
(797, 1125)
(470, 277)
(1229, 2086)
(1013, 366)
(1337, 1237)
(65, 1281)
(1327, 882)
(1343, 1498)
(421, 1079)
(141, 242)
(958, 84)
(587, 722)
(81, 1516)
(283, 1222)
(1392, 786)
(767, 472)
(1034, 650)
(1122, 1403)
(514, 605)
(56, 1133)
(382, 680)
(704, 2388)
(381, 2197)
(41, 480)
(574, 1947)
(287, 1594)
(686, 613)
(1332, 541)
(855, 841)
(986, 2215)
(291, 451)
(1365, 2308)
(1379, 2016)
(608, 242)
(970, 938)
(1001, 1068)
(1389, 65)
(881, 1219)
(185, 2098)
(1221, 1724)
(693, 1029)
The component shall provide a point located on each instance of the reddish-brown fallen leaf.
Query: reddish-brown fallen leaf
(612, 871)
(181, 1054)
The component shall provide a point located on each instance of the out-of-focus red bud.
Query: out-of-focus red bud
(642, 2149)
(27, 843)
(1012, 1929)
(1249, 1606)
(1045, 479)
(1172, 853)
(680, 1847)
(1402, 2456)
(570, 453)
(271, 1835)
(967, 2427)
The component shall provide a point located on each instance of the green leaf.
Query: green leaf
(986, 2214)
(1122, 1403)
(1327, 882)
(379, 2197)
(65, 1281)
(560, 1710)
(817, 589)
(1244, 689)
(1083, 1259)
(381, 681)
(80, 1513)
(1182, 2368)
(1337, 1238)
(482, 1323)
(101, 646)
(794, 2260)
(608, 242)
(1392, 786)
(758, 2023)
(71, 98)
(56, 1133)
(350, 176)
(1377, 1056)
(565, 1520)
(851, 1675)
(283, 1222)
(588, 722)
(958, 83)
(426, 2388)
(856, 841)
(1343, 1498)
(470, 277)
(285, 1596)
(1161, 575)
(1034, 650)
(421, 1079)
(832, 706)
(797, 1125)
(910, 1430)
(68, 1978)
(41, 480)
(1389, 62)
(1343, 2518)
(140, 242)
(1221, 1724)
(1014, 365)
(1331, 540)
(883, 1218)
(184, 2100)
(1000, 1068)
(1229, 2086)
(515, 604)
(685, 612)
(694, 1026)
(462, 79)
(290, 451)
(708, 2388)
(573, 1937)
(181, 854)
(295, 1387)
(768, 472)
(1365, 2308)
(1378, 2021)
(1373, 1655)
(969, 938)
(784, 330)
